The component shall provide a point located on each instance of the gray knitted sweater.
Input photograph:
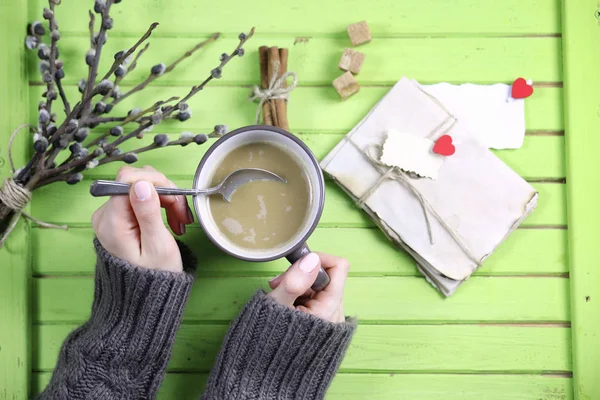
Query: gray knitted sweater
(122, 351)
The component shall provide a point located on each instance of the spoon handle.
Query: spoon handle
(112, 188)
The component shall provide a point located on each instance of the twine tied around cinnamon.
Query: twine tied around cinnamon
(397, 174)
(277, 89)
(16, 197)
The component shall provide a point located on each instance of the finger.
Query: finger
(119, 214)
(182, 204)
(302, 298)
(337, 268)
(97, 217)
(274, 282)
(297, 280)
(177, 227)
(175, 205)
(146, 207)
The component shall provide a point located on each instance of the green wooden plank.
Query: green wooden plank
(477, 60)
(347, 386)
(14, 314)
(311, 109)
(14, 257)
(582, 64)
(447, 387)
(526, 252)
(525, 161)
(380, 348)
(550, 211)
(308, 17)
(49, 205)
(381, 300)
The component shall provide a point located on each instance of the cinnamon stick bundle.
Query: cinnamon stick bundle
(274, 111)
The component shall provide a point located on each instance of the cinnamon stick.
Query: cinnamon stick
(273, 59)
(263, 58)
(281, 104)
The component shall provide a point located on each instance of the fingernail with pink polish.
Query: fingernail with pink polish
(142, 190)
(309, 262)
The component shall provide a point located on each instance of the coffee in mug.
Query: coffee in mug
(262, 214)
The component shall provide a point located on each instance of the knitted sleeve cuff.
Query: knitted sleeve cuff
(135, 316)
(138, 309)
(273, 352)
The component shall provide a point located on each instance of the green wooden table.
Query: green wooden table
(522, 328)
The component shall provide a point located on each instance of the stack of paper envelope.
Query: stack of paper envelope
(449, 211)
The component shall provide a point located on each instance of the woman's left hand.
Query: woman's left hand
(292, 288)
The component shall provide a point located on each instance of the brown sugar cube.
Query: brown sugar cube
(359, 33)
(352, 61)
(346, 85)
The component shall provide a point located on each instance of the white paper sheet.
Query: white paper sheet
(484, 112)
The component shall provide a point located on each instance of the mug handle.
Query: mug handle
(322, 279)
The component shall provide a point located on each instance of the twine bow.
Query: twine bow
(16, 197)
(277, 89)
(395, 173)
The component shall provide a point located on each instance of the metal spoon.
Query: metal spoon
(225, 188)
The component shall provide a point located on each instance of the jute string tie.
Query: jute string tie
(396, 174)
(16, 197)
(277, 89)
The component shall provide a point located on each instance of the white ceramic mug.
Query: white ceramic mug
(294, 248)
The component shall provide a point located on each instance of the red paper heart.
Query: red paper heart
(444, 146)
(520, 89)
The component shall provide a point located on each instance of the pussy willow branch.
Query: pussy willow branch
(151, 77)
(70, 170)
(72, 164)
(63, 97)
(195, 89)
(129, 52)
(37, 158)
(92, 46)
(78, 107)
(101, 38)
(131, 118)
(130, 68)
(50, 85)
(201, 86)
(152, 146)
(57, 178)
(91, 27)
(137, 57)
(103, 120)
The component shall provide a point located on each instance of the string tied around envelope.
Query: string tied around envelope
(398, 175)
(277, 89)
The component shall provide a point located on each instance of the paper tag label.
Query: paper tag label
(411, 154)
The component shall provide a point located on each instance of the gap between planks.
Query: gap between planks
(532, 132)
(556, 374)
(369, 322)
(166, 82)
(328, 225)
(322, 35)
(261, 274)
(391, 372)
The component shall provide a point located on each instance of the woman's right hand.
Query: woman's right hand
(292, 288)
(131, 227)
